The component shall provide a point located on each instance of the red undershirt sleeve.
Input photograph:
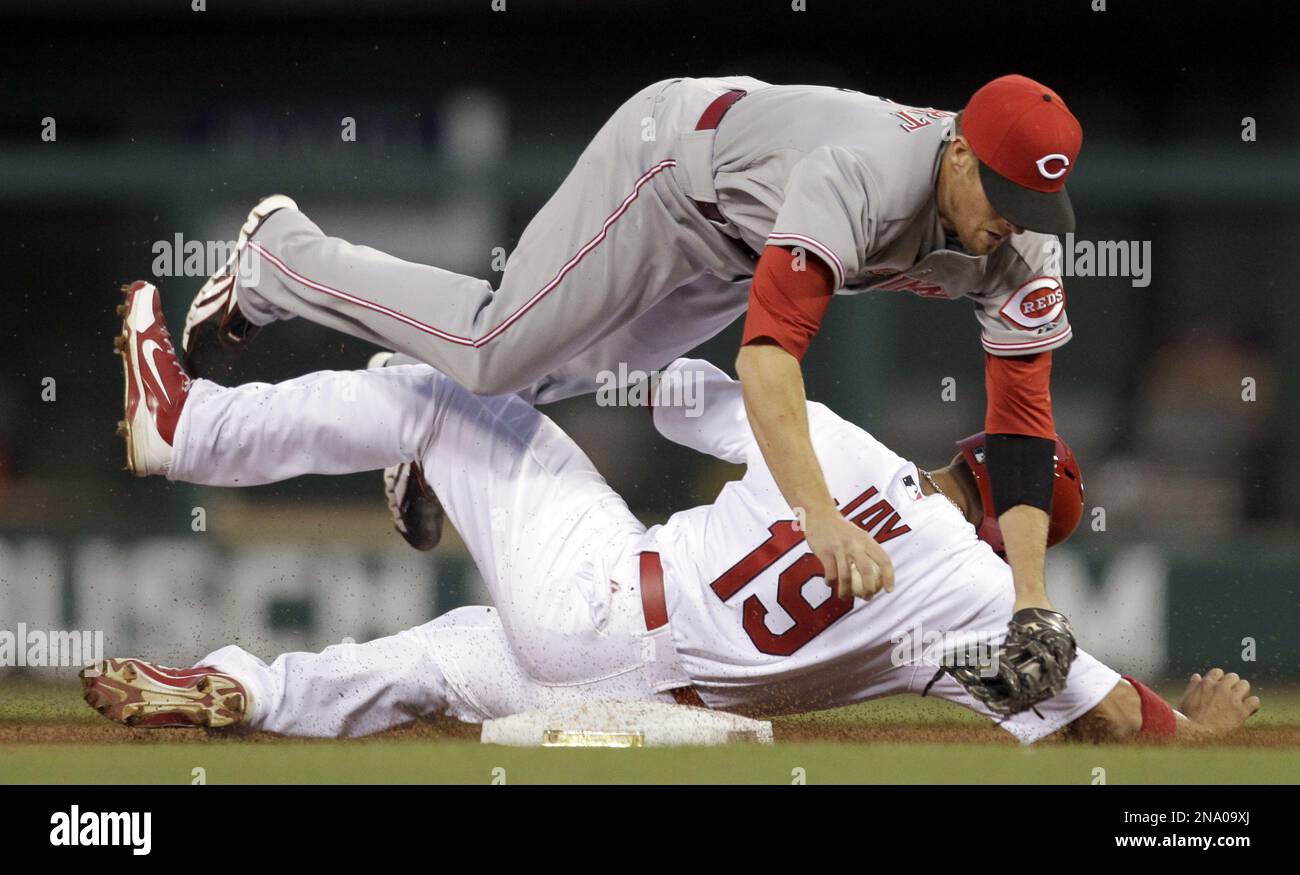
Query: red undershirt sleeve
(786, 305)
(1158, 718)
(1019, 395)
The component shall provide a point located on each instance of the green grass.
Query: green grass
(28, 702)
(469, 763)
(424, 760)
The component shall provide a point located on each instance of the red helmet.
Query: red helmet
(1067, 493)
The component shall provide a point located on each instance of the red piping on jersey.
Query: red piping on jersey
(1030, 345)
(830, 257)
(513, 317)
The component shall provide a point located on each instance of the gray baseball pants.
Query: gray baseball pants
(618, 267)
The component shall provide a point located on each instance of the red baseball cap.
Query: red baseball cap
(1027, 142)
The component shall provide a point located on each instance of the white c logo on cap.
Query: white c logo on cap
(1055, 156)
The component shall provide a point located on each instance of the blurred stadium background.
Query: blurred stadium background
(172, 122)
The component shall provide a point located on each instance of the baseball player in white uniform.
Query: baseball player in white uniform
(700, 199)
(722, 606)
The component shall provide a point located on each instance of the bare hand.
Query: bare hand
(1218, 702)
(855, 565)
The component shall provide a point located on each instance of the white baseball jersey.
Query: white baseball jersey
(756, 626)
(753, 624)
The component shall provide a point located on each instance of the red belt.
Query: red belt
(713, 114)
(652, 592)
(655, 608)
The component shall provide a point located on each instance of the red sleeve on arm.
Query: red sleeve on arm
(1158, 718)
(786, 306)
(1019, 395)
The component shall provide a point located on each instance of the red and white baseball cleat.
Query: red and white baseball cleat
(156, 385)
(141, 694)
(215, 329)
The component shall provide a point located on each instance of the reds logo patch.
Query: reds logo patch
(1037, 303)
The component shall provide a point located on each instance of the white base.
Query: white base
(624, 724)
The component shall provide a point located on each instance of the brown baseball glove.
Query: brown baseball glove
(1030, 666)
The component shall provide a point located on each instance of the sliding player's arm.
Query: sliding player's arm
(1212, 705)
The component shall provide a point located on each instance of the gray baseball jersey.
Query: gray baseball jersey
(622, 270)
(851, 178)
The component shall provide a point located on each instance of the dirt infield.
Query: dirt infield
(49, 736)
(34, 714)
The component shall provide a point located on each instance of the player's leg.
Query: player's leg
(329, 422)
(459, 666)
(524, 497)
(544, 528)
(325, 423)
(615, 237)
(520, 491)
(678, 323)
(357, 689)
(554, 543)
(673, 326)
(514, 484)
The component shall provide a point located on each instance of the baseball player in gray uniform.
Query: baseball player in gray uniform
(698, 200)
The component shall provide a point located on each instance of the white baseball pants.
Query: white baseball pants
(547, 533)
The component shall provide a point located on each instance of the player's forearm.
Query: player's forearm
(1024, 533)
(1116, 718)
(1124, 713)
(773, 388)
(1021, 474)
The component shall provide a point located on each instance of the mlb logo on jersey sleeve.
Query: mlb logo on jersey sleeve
(913, 488)
(1037, 303)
